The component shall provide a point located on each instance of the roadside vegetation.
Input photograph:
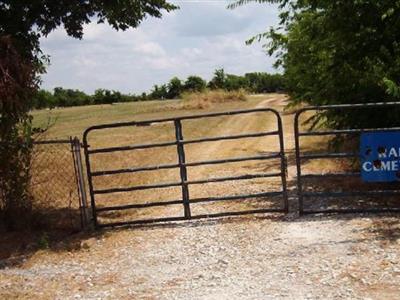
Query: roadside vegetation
(174, 89)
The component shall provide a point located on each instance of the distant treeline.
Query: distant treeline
(251, 82)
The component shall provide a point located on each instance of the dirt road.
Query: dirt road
(256, 257)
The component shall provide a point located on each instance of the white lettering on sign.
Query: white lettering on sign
(384, 166)
(367, 166)
(393, 153)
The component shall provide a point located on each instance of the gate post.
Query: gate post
(89, 177)
(298, 161)
(80, 180)
(283, 165)
(182, 166)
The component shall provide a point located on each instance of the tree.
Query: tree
(22, 23)
(159, 92)
(218, 81)
(195, 84)
(344, 51)
(175, 88)
(43, 99)
(234, 82)
(17, 84)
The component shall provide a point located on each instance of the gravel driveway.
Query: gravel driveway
(256, 257)
(241, 258)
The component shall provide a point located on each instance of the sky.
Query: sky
(195, 40)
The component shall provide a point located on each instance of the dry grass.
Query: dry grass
(202, 100)
(72, 121)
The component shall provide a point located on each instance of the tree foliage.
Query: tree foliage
(17, 84)
(344, 51)
(195, 84)
(22, 23)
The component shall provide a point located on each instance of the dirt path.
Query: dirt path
(257, 257)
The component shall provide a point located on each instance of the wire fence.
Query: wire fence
(55, 184)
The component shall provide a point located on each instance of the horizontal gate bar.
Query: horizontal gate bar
(193, 164)
(173, 143)
(133, 170)
(196, 217)
(345, 131)
(137, 188)
(329, 155)
(322, 175)
(243, 177)
(230, 137)
(230, 160)
(190, 117)
(212, 199)
(351, 194)
(174, 184)
(142, 205)
(174, 202)
(134, 147)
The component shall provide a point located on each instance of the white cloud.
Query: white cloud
(150, 48)
(197, 39)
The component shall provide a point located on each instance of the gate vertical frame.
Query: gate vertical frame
(90, 180)
(80, 179)
(283, 163)
(182, 167)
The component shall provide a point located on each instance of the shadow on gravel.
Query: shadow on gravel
(18, 247)
(57, 229)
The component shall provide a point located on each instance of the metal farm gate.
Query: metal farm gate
(183, 165)
(339, 187)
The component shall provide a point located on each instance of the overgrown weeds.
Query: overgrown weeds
(203, 100)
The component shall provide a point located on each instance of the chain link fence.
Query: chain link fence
(57, 184)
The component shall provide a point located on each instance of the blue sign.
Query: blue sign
(380, 156)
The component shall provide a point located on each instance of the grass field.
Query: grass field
(65, 122)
